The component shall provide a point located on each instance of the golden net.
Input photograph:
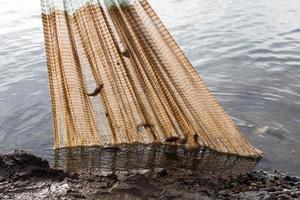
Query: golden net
(117, 76)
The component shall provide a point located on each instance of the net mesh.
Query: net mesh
(117, 76)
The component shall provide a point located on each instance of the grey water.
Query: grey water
(248, 52)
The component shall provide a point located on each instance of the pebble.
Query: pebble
(161, 171)
(253, 184)
(284, 197)
(267, 197)
(295, 195)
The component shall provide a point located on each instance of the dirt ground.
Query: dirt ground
(25, 176)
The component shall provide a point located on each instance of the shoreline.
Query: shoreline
(25, 176)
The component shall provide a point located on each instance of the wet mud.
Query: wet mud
(25, 176)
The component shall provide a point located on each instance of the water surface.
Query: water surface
(248, 52)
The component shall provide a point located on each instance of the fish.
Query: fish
(96, 91)
(144, 125)
(172, 139)
(181, 140)
(196, 139)
(125, 53)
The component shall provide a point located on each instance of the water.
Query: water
(248, 52)
(141, 156)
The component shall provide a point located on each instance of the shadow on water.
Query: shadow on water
(141, 156)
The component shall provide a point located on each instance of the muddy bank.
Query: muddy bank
(24, 176)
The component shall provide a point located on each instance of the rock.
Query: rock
(284, 197)
(253, 184)
(267, 197)
(287, 178)
(295, 195)
(112, 177)
(143, 172)
(161, 171)
(173, 195)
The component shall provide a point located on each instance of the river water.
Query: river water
(248, 52)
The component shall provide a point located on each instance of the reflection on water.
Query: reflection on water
(248, 52)
(139, 157)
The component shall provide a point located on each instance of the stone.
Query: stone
(295, 195)
(161, 171)
(284, 197)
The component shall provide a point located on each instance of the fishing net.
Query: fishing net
(117, 76)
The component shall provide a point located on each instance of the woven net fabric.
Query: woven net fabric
(117, 76)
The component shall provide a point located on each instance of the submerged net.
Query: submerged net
(117, 76)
